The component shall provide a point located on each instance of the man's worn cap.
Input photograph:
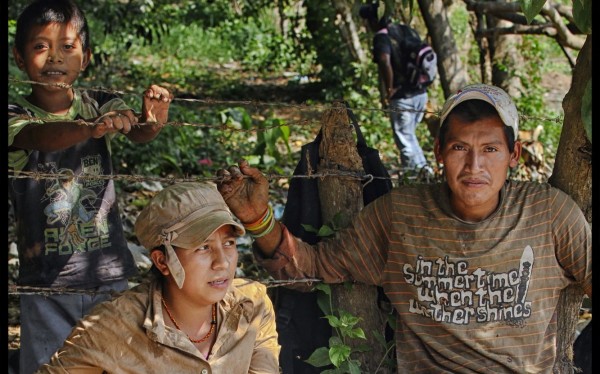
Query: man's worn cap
(494, 95)
(183, 215)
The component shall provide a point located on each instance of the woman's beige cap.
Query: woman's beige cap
(183, 215)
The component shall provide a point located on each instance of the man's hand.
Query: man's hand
(245, 190)
(391, 92)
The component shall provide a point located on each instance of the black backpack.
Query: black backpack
(416, 60)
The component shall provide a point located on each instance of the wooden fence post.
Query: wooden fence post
(339, 195)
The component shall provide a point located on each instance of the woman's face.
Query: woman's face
(210, 268)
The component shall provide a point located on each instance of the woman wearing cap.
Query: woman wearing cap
(194, 316)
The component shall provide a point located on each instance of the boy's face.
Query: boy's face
(210, 268)
(53, 54)
(476, 160)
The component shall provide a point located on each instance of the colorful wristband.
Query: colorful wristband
(266, 231)
(262, 222)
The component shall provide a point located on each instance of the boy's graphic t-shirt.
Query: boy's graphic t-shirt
(69, 230)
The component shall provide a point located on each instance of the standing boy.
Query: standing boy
(69, 231)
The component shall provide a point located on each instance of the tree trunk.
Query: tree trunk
(505, 57)
(483, 43)
(574, 149)
(343, 197)
(349, 31)
(573, 175)
(452, 73)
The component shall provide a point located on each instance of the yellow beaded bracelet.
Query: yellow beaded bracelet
(260, 220)
(266, 231)
(262, 223)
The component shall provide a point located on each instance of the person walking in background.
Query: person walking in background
(69, 231)
(405, 98)
(192, 315)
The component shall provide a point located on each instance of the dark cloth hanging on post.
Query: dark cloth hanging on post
(582, 350)
(300, 323)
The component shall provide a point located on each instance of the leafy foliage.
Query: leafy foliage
(212, 49)
(531, 8)
(582, 15)
(582, 12)
(532, 106)
(339, 352)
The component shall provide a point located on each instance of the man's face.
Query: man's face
(476, 160)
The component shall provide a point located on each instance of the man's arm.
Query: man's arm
(386, 73)
(352, 254)
(573, 239)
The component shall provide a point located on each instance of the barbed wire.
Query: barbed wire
(31, 290)
(256, 103)
(47, 291)
(222, 127)
(67, 175)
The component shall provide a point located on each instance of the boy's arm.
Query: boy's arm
(155, 113)
(56, 136)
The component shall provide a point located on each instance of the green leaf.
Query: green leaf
(531, 8)
(335, 340)
(392, 321)
(586, 109)
(354, 367)
(253, 160)
(338, 220)
(333, 371)
(333, 321)
(344, 367)
(325, 231)
(324, 303)
(348, 319)
(319, 358)
(309, 228)
(285, 133)
(582, 15)
(246, 120)
(324, 287)
(380, 338)
(269, 160)
(356, 333)
(338, 354)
